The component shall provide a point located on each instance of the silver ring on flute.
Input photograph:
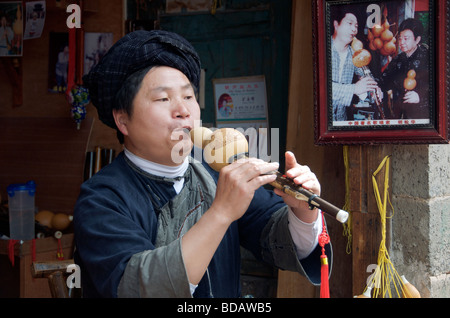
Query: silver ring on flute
(312, 206)
(237, 157)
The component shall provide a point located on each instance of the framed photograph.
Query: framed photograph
(380, 71)
(35, 13)
(11, 28)
(95, 46)
(58, 61)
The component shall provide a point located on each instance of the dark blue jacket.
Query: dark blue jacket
(116, 217)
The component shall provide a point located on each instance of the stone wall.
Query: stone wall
(420, 241)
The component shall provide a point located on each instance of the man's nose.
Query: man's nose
(181, 109)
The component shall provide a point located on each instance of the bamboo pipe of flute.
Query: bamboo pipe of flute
(229, 145)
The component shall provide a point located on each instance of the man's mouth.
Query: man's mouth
(187, 129)
(181, 133)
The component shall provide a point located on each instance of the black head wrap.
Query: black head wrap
(134, 52)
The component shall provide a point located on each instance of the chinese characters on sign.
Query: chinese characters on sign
(240, 99)
(241, 103)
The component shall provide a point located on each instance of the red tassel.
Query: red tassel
(59, 253)
(324, 239)
(324, 285)
(72, 60)
(11, 245)
(33, 250)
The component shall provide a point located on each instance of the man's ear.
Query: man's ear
(121, 119)
(418, 39)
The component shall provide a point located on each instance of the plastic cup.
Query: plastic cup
(21, 210)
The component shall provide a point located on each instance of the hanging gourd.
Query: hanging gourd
(410, 81)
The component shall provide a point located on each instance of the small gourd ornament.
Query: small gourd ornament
(56, 221)
(410, 81)
(409, 291)
(366, 294)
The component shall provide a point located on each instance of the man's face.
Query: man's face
(347, 29)
(407, 42)
(164, 106)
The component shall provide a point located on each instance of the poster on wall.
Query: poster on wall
(241, 103)
(11, 28)
(34, 19)
(177, 6)
(240, 99)
(95, 46)
(58, 61)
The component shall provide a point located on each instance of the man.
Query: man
(345, 28)
(148, 227)
(409, 103)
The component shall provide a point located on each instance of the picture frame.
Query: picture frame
(364, 90)
(96, 44)
(11, 29)
(58, 61)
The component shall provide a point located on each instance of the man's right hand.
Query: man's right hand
(237, 184)
(364, 85)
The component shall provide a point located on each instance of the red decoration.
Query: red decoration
(324, 239)
(72, 59)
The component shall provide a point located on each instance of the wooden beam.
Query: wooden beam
(44, 269)
(57, 285)
(14, 70)
(366, 225)
(326, 162)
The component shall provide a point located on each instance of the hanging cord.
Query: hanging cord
(59, 253)
(216, 3)
(347, 231)
(385, 276)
